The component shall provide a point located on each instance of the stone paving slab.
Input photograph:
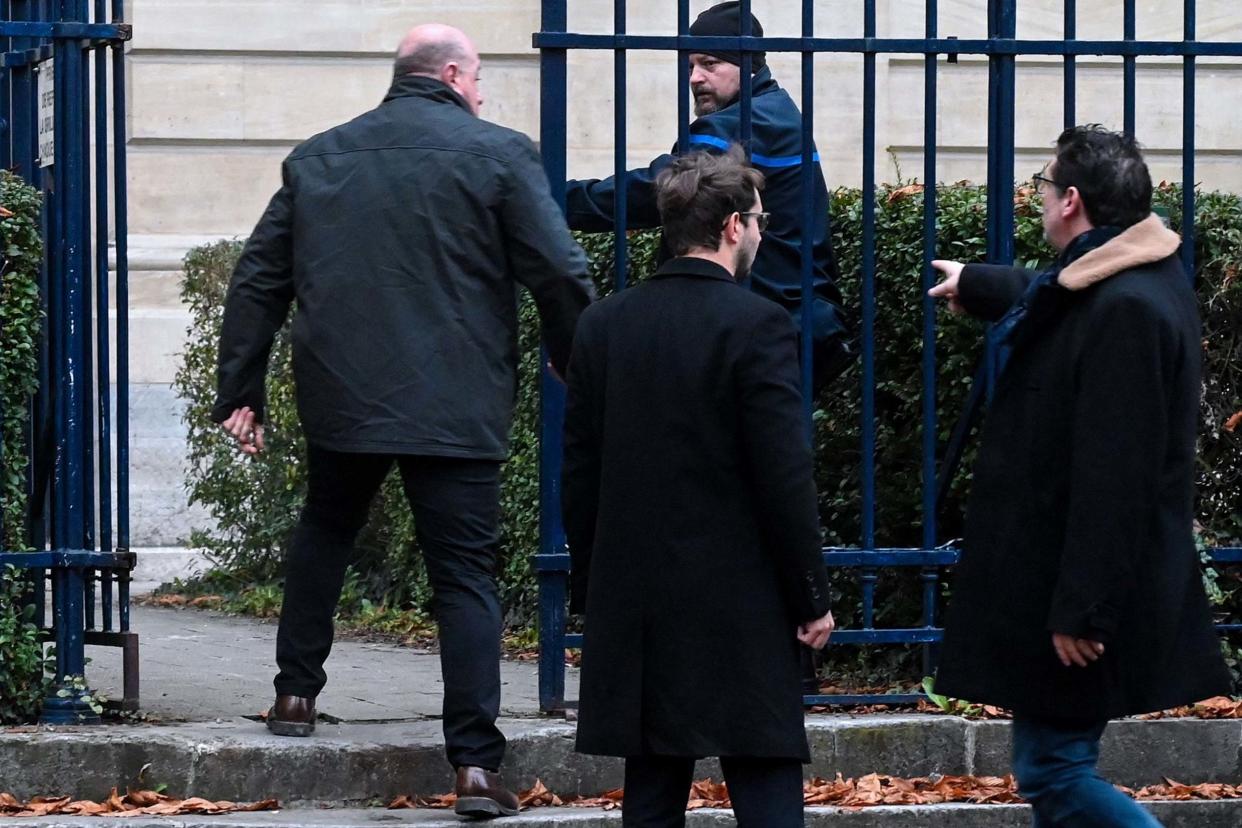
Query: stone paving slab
(1172, 814)
(200, 666)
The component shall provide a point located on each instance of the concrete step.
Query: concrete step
(1224, 814)
(361, 763)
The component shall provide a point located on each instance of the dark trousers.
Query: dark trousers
(766, 793)
(456, 507)
(1055, 765)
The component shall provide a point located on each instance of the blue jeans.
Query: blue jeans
(1054, 762)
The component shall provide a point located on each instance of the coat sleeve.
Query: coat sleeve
(589, 202)
(1118, 437)
(543, 255)
(988, 291)
(255, 308)
(778, 454)
(580, 469)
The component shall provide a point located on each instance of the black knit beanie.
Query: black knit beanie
(725, 20)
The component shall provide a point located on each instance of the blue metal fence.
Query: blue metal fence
(78, 494)
(1002, 48)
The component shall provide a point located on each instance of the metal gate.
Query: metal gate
(62, 101)
(1001, 47)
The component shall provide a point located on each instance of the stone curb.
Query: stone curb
(1223, 814)
(359, 763)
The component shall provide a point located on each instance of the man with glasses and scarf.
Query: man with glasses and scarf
(1079, 597)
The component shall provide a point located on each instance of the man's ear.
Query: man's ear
(1073, 201)
(449, 73)
(733, 228)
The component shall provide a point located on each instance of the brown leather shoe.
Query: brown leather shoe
(292, 716)
(480, 794)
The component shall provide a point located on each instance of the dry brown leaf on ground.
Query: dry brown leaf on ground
(1217, 707)
(538, 796)
(1178, 791)
(707, 793)
(609, 800)
(444, 801)
(134, 803)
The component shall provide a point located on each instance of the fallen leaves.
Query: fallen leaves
(867, 791)
(875, 789)
(1217, 707)
(1233, 422)
(1176, 791)
(134, 803)
(177, 599)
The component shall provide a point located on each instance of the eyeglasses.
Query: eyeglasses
(1039, 179)
(761, 218)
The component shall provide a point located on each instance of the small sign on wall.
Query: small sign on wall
(47, 113)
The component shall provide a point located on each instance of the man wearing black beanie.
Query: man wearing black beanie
(775, 149)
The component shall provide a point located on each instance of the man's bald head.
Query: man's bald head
(426, 49)
(442, 52)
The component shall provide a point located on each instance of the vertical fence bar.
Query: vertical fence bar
(43, 409)
(1071, 66)
(6, 127)
(121, 233)
(869, 576)
(86, 299)
(102, 325)
(69, 72)
(553, 586)
(1002, 19)
(807, 183)
(929, 575)
(1188, 144)
(1130, 71)
(683, 80)
(747, 79)
(619, 114)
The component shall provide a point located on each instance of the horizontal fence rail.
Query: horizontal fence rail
(939, 462)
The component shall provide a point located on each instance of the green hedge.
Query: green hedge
(21, 654)
(20, 317)
(255, 502)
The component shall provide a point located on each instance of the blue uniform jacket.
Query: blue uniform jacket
(776, 149)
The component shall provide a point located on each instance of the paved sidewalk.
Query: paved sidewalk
(201, 666)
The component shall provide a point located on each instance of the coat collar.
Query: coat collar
(418, 86)
(761, 83)
(1144, 243)
(695, 267)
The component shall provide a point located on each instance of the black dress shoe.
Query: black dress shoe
(480, 794)
(292, 716)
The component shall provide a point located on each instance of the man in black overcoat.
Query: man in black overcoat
(404, 235)
(691, 516)
(1079, 596)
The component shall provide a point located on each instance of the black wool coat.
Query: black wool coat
(403, 235)
(691, 516)
(1082, 505)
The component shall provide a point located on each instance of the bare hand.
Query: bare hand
(947, 289)
(815, 634)
(1076, 651)
(248, 433)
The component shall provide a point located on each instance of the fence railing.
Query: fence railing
(1001, 47)
(62, 100)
